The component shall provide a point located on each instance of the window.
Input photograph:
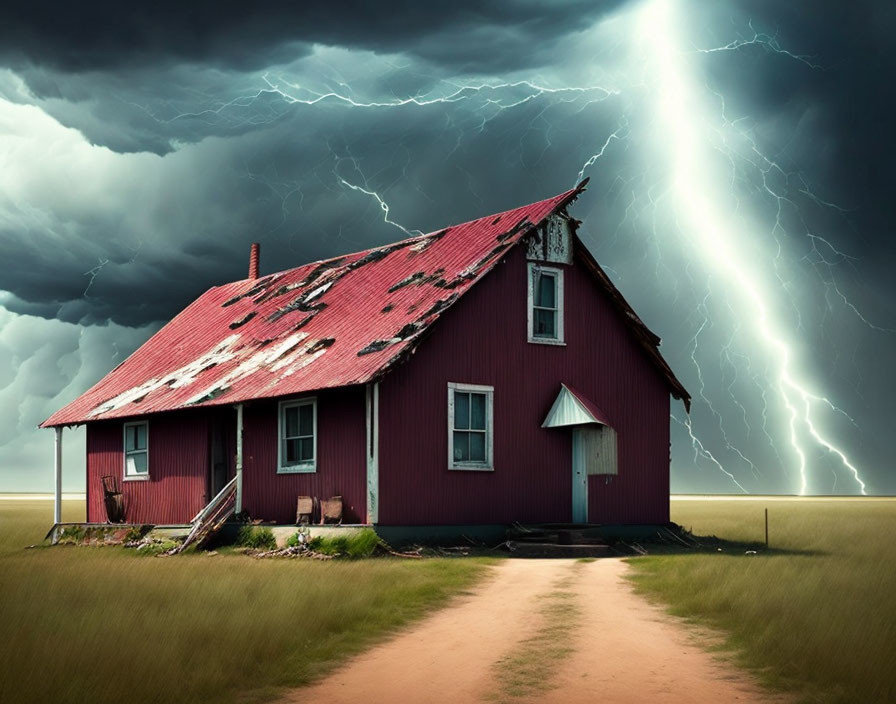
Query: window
(136, 450)
(545, 305)
(297, 436)
(470, 426)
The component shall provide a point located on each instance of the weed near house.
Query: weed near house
(356, 545)
(256, 537)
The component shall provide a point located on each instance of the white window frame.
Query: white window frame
(530, 306)
(308, 466)
(489, 464)
(124, 444)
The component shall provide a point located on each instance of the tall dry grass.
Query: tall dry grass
(106, 625)
(817, 617)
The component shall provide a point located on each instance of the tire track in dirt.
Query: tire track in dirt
(554, 631)
(628, 651)
(449, 655)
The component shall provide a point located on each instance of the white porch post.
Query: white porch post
(239, 458)
(373, 461)
(57, 497)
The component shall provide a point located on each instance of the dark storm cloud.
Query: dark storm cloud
(124, 74)
(845, 140)
(73, 37)
(160, 230)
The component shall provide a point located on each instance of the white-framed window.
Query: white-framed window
(470, 426)
(545, 304)
(136, 450)
(297, 436)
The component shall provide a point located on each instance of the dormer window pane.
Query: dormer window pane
(545, 307)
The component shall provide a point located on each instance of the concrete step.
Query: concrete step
(543, 549)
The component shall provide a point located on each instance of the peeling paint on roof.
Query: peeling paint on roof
(326, 324)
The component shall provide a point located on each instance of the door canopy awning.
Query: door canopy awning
(572, 408)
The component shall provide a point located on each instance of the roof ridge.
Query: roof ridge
(407, 240)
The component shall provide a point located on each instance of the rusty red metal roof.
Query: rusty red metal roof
(327, 324)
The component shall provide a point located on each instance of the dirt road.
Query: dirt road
(545, 631)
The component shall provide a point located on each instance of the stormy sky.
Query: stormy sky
(740, 159)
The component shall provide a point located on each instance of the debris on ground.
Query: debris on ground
(290, 551)
(153, 545)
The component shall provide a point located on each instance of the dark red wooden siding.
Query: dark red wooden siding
(483, 340)
(341, 464)
(179, 453)
(178, 462)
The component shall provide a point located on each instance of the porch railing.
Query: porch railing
(210, 519)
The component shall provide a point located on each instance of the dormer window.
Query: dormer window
(545, 305)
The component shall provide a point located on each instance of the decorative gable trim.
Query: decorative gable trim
(551, 241)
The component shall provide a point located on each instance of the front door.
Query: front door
(222, 429)
(580, 475)
(593, 452)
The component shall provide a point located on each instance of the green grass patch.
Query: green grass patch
(816, 615)
(103, 625)
(362, 543)
(257, 537)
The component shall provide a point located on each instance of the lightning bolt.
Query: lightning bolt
(384, 206)
(366, 190)
(712, 233)
(700, 450)
(497, 95)
(618, 133)
(93, 273)
(768, 42)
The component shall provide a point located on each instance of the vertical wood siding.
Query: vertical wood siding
(483, 340)
(179, 455)
(341, 461)
(178, 468)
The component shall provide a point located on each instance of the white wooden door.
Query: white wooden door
(579, 475)
(593, 452)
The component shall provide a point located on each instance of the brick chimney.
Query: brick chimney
(253, 261)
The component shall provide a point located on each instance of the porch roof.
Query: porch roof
(573, 408)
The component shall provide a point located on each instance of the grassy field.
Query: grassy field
(816, 615)
(107, 625)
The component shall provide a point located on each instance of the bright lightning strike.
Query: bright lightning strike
(717, 237)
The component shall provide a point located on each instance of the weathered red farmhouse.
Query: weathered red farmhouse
(486, 373)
